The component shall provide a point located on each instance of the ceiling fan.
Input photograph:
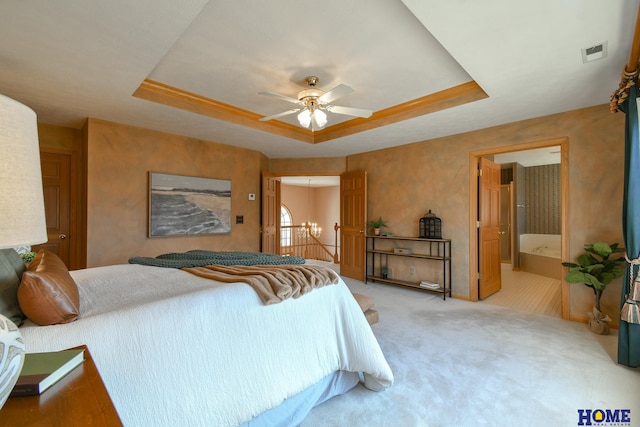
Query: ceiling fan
(314, 102)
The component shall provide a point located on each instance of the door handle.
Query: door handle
(62, 236)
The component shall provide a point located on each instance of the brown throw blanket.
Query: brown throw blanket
(273, 283)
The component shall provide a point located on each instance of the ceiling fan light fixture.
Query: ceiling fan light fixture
(310, 94)
(321, 118)
(304, 118)
(314, 103)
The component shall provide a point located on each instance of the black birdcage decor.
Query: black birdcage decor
(430, 226)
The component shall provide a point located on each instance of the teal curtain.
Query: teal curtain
(629, 333)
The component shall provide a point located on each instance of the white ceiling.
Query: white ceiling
(72, 59)
(311, 181)
(528, 158)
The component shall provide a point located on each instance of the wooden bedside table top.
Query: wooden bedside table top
(78, 399)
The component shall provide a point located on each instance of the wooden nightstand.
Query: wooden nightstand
(78, 399)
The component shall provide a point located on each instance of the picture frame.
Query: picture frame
(187, 205)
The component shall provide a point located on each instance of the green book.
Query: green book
(42, 370)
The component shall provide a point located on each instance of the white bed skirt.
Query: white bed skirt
(293, 411)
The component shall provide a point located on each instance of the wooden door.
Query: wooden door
(489, 229)
(270, 215)
(353, 207)
(56, 185)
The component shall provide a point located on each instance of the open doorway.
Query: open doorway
(311, 206)
(515, 231)
(350, 206)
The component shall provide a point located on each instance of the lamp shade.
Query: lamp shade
(21, 199)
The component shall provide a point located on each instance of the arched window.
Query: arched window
(285, 221)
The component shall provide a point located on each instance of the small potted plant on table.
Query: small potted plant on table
(377, 225)
(596, 270)
(384, 272)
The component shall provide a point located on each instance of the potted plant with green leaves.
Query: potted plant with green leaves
(597, 270)
(27, 257)
(384, 271)
(377, 225)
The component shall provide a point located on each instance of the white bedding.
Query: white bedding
(186, 351)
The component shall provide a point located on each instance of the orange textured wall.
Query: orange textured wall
(295, 199)
(311, 166)
(59, 138)
(405, 182)
(328, 209)
(119, 158)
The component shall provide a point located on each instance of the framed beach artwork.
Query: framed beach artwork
(188, 205)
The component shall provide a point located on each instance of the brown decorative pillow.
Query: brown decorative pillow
(47, 294)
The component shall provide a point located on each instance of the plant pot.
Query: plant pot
(376, 231)
(599, 322)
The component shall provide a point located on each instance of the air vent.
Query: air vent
(593, 53)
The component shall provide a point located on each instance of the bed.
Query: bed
(185, 350)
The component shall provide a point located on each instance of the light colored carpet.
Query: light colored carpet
(458, 363)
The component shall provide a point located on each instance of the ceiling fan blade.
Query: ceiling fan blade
(282, 97)
(358, 112)
(284, 113)
(335, 93)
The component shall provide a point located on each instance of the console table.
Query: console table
(422, 250)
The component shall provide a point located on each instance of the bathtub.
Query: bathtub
(540, 254)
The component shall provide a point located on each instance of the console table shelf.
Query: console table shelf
(436, 250)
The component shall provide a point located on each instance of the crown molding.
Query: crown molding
(164, 94)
